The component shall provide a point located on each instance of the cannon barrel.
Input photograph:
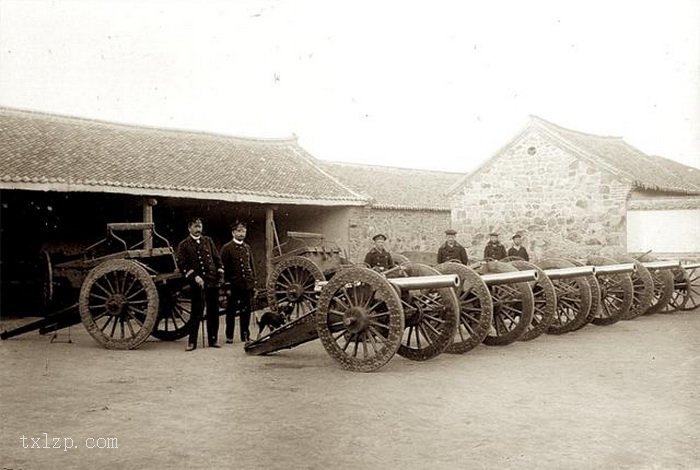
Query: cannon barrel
(690, 266)
(567, 273)
(415, 282)
(492, 279)
(655, 265)
(425, 282)
(615, 269)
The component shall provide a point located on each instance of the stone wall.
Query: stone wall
(407, 230)
(561, 205)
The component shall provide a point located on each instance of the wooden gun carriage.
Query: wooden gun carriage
(126, 291)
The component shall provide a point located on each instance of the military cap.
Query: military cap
(450, 231)
(379, 235)
(493, 234)
(517, 235)
(238, 223)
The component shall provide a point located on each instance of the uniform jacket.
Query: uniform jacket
(456, 252)
(379, 259)
(519, 252)
(494, 251)
(239, 267)
(199, 258)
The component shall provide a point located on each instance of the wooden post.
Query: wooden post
(148, 218)
(269, 240)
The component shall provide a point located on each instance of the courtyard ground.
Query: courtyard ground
(623, 396)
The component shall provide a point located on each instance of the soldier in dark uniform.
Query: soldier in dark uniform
(494, 249)
(239, 267)
(451, 250)
(198, 259)
(517, 249)
(378, 258)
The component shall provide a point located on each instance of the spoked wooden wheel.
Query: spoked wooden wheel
(643, 288)
(174, 316)
(595, 297)
(475, 308)
(573, 298)
(430, 317)
(545, 301)
(663, 287)
(616, 293)
(360, 319)
(679, 297)
(119, 304)
(693, 290)
(513, 307)
(292, 282)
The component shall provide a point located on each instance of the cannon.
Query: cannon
(573, 293)
(363, 317)
(686, 288)
(126, 291)
(545, 299)
(616, 289)
(513, 301)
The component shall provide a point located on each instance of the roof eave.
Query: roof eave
(213, 194)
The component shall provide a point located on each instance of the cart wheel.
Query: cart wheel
(573, 298)
(616, 293)
(595, 297)
(118, 304)
(643, 288)
(476, 308)
(292, 282)
(693, 289)
(663, 287)
(545, 300)
(430, 317)
(360, 319)
(513, 307)
(174, 319)
(679, 297)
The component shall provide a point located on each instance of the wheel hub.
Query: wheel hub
(295, 292)
(115, 304)
(356, 319)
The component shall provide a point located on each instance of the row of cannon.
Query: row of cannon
(363, 317)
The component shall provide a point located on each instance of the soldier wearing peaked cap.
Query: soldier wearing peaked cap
(239, 265)
(494, 250)
(451, 250)
(517, 250)
(199, 261)
(378, 258)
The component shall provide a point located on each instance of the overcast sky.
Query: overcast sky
(424, 84)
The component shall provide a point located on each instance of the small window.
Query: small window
(531, 151)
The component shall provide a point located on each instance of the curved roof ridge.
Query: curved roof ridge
(146, 128)
(389, 167)
(557, 127)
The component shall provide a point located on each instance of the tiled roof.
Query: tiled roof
(645, 171)
(42, 151)
(396, 188)
(612, 154)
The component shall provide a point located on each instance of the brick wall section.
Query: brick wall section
(407, 230)
(562, 205)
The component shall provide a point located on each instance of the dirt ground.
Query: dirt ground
(623, 396)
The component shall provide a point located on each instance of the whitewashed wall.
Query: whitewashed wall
(664, 231)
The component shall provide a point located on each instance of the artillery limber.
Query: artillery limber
(125, 291)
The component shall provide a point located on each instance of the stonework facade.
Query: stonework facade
(407, 230)
(560, 204)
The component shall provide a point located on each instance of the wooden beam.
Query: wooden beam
(148, 219)
(269, 240)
